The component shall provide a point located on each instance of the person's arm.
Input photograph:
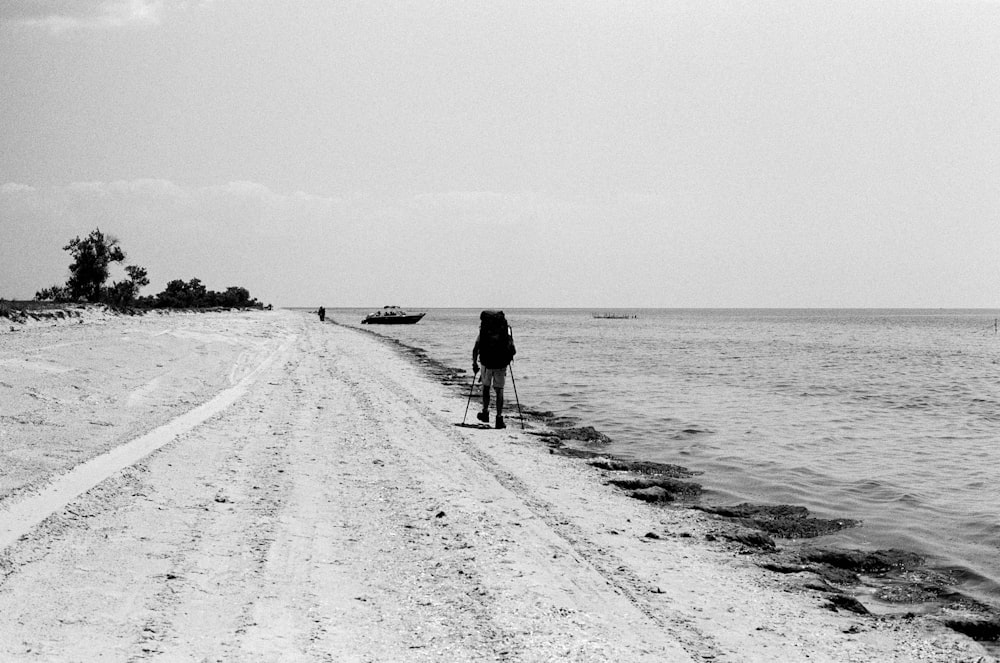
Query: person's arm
(475, 356)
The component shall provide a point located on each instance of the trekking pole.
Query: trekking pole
(510, 332)
(516, 399)
(471, 388)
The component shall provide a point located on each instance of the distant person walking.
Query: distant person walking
(495, 348)
(322, 314)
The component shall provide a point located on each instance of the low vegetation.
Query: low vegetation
(90, 270)
(193, 294)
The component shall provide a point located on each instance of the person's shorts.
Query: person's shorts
(494, 376)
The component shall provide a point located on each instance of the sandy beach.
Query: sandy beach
(262, 487)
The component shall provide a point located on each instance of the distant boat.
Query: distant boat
(614, 316)
(392, 315)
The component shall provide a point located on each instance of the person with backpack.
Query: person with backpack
(495, 349)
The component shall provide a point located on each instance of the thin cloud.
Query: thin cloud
(263, 195)
(15, 187)
(68, 15)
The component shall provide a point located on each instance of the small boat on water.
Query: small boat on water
(614, 316)
(392, 315)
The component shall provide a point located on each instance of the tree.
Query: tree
(92, 258)
(137, 279)
(174, 295)
(235, 297)
(122, 294)
(90, 269)
(179, 294)
(197, 293)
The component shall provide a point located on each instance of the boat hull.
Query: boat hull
(393, 319)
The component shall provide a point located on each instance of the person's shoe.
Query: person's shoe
(483, 416)
(500, 423)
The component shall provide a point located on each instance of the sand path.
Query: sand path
(265, 488)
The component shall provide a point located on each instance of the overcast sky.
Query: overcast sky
(781, 153)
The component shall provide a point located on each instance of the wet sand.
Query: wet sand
(260, 486)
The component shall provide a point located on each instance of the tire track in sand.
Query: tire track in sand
(696, 642)
(18, 519)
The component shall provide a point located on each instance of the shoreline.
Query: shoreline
(891, 582)
(335, 509)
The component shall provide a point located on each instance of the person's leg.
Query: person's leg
(500, 421)
(487, 381)
(498, 379)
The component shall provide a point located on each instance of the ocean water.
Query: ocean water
(887, 416)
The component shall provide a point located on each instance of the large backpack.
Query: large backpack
(496, 349)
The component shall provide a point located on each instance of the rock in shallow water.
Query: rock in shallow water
(860, 561)
(653, 494)
(673, 486)
(785, 521)
(845, 602)
(753, 539)
(747, 510)
(584, 434)
(979, 630)
(644, 467)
